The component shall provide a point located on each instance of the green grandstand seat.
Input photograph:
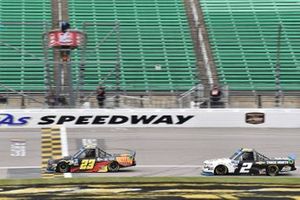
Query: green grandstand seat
(243, 36)
(16, 71)
(151, 33)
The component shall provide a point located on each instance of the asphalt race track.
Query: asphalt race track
(160, 151)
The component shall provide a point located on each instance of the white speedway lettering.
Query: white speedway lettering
(114, 119)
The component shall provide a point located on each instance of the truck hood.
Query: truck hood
(217, 161)
(55, 161)
(129, 153)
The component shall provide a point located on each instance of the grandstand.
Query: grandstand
(23, 23)
(244, 37)
(153, 51)
(156, 47)
(156, 50)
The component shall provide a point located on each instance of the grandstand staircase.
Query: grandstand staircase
(205, 61)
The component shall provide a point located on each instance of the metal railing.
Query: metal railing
(192, 98)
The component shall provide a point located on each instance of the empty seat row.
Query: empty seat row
(23, 23)
(156, 49)
(244, 38)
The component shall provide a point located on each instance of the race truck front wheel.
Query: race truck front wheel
(63, 167)
(113, 167)
(221, 170)
(272, 170)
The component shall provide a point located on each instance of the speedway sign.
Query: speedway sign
(88, 118)
(114, 119)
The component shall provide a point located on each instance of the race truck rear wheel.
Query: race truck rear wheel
(272, 170)
(113, 166)
(63, 167)
(221, 170)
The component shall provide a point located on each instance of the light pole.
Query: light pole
(278, 94)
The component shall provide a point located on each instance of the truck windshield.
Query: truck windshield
(238, 152)
(103, 154)
(261, 157)
(78, 153)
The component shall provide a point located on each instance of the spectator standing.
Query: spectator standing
(215, 94)
(215, 98)
(51, 100)
(101, 96)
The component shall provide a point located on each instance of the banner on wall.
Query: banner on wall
(255, 118)
(86, 118)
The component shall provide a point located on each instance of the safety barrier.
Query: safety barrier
(87, 118)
